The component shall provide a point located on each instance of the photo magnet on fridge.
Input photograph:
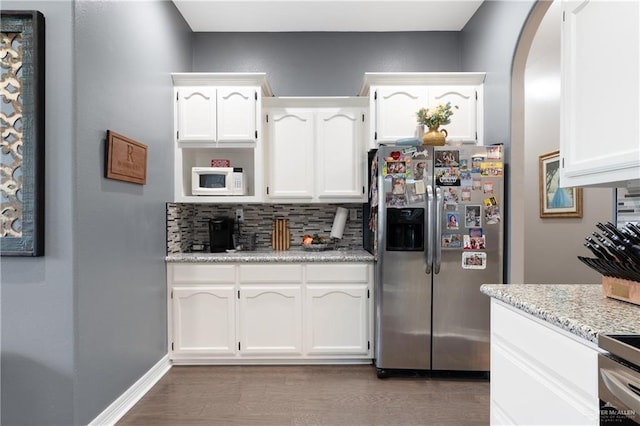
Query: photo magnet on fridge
(474, 260)
(413, 195)
(452, 221)
(472, 216)
(465, 196)
(476, 163)
(448, 176)
(451, 241)
(492, 215)
(466, 179)
(491, 169)
(447, 158)
(473, 243)
(494, 152)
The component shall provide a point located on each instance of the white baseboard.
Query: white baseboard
(128, 399)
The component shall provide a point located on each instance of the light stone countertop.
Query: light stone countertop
(580, 309)
(271, 256)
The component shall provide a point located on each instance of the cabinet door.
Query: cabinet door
(337, 319)
(340, 156)
(237, 114)
(464, 120)
(270, 320)
(396, 109)
(600, 130)
(291, 165)
(196, 114)
(203, 320)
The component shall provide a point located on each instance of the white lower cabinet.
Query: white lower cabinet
(270, 313)
(337, 305)
(270, 320)
(540, 374)
(204, 321)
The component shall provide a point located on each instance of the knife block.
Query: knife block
(280, 237)
(625, 290)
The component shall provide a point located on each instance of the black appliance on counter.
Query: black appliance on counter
(221, 231)
(619, 379)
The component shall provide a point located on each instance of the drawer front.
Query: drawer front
(338, 272)
(187, 273)
(270, 273)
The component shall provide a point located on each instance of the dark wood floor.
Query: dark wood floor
(307, 395)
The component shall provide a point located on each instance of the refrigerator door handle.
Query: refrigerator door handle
(428, 253)
(438, 238)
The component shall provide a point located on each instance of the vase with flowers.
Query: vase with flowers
(433, 118)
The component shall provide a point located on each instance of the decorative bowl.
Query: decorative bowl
(315, 247)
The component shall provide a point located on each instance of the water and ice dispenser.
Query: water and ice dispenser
(405, 229)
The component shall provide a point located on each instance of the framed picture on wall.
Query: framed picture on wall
(23, 132)
(556, 202)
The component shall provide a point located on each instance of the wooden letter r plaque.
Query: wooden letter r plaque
(126, 159)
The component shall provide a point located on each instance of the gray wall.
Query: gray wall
(541, 136)
(37, 293)
(489, 42)
(83, 323)
(324, 63)
(125, 52)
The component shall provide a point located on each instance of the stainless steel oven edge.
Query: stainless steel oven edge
(618, 383)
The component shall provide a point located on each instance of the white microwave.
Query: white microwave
(218, 181)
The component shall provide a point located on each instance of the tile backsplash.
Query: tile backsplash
(187, 224)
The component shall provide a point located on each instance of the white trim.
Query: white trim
(131, 396)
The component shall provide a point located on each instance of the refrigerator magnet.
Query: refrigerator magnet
(418, 169)
(452, 220)
(476, 163)
(487, 187)
(491, 201)
(413, 194)
(465, 194)
(494, 152)
(398, 185)
(473, 243)
(448, 176)
(448, 158)
(476, 232)
(472, 216)
(450, 196)
(396, 200)
(393, 168)
(474, 260)
(466, 179)
(477, 184)
(492, 215)
(451, 241)
(464, 165)
(491, 169)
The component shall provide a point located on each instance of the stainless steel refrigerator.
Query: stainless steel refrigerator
(435, 216)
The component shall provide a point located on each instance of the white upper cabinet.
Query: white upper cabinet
(395, 98)
(600, 102)
(222, 114)
(237, 114)
(196, 114)
(395, 111)
(316, 151)
(339, 153)
(464, 122)
(291, 140)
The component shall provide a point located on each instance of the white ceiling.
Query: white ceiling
(326, 15)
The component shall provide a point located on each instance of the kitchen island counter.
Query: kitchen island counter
(580, 309)
(272, 256)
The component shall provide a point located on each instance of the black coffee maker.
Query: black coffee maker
(221, 234)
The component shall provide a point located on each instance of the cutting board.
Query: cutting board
(280, 237)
